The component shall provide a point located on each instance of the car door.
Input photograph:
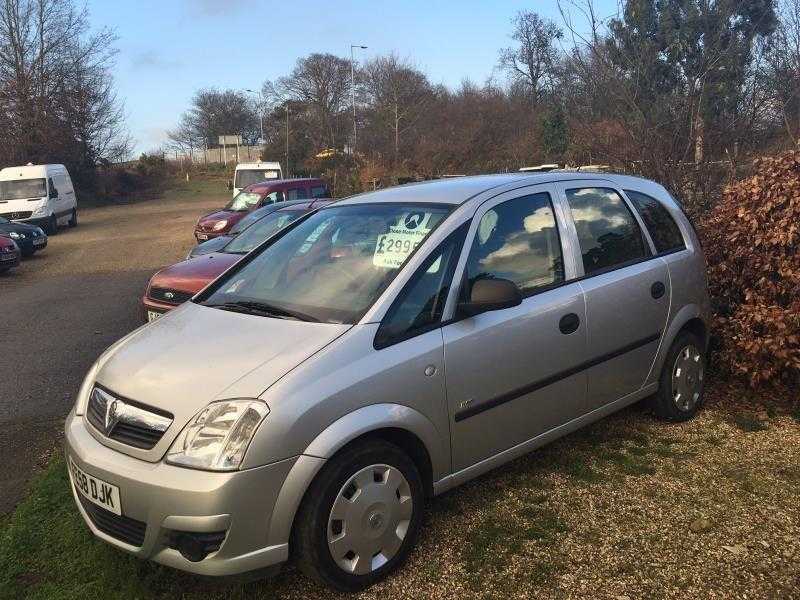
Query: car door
(510, 372)
(626, 286)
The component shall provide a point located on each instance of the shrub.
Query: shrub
(751, 240)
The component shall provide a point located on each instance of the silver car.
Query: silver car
(378, 352)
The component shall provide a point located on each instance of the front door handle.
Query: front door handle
(657, 290)
(569, 323)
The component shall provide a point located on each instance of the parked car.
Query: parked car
(247, 174)
(174, 285)
(9, 254)
(38, 195)
(29, 238)
(382, 350)
(255, 196)
(219, 242)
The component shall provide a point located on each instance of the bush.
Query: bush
(751, 241)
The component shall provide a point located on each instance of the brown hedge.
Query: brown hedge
(751, 240)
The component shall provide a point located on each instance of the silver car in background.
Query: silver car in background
(380, 351)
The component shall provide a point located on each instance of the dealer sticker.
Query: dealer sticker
(392, 249)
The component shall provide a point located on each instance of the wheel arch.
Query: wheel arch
(400, 425)
(689, 318)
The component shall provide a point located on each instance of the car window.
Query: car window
(662, 227)
(261, 230)
(297, 194)
(18, 189)
(244, 201)
(421, 303)
(245, 177)
(518, 240)
(272, 198)
(608, 233)
(319, 191)
(333, 265)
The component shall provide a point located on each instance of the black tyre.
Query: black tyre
(52, 226)
(682, 382)
(360, 517)
(73, 220)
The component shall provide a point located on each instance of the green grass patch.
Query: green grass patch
(578, 468)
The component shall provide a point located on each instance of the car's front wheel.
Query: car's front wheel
(73, 220)
(51, 228)
(361, 516)
(682, 383)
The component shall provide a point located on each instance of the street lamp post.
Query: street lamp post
(288, 172)
(353, 91)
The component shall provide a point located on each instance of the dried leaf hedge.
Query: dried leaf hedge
(751, 240)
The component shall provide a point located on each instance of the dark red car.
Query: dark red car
(255, 196)
(9, 254)
(174, 285)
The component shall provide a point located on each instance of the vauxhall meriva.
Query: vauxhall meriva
(377, 352)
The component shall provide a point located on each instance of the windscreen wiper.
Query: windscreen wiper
(262, 308)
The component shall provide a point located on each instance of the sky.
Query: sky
(168, 49)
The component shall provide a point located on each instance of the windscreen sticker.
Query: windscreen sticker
(392, 249)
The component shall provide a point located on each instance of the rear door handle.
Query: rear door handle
(657, 290)
(569, 323)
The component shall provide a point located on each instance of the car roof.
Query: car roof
(458, 190)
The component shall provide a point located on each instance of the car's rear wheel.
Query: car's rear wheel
(73, 220)
(682, 382)
(361, 516)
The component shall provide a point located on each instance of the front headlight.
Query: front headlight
(217, 438)
(42, 210)
(219, 225)
(16, 236)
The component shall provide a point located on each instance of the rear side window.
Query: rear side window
(297, 194)
(319, 191)
(419, 306)
(608, 233)
(518, 240)
(662, 227)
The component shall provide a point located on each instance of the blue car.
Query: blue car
(29, 238)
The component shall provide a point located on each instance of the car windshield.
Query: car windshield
(245, 177)
(261, 230)
(333, 265)
(23, 188)
(244, 201)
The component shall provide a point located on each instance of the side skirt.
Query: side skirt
(479, 468)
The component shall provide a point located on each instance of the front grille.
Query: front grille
(20, 214)
(119, 527)
(169, 296)
(135, 426)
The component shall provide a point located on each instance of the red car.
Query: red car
(175, 285)
(9, 254)
(255, 196)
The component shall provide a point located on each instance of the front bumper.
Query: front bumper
(202, 235)
(28, 247)
(171, 499)
(148, 304)
(9, 260)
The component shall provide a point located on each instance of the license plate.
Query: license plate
(202, 236)
(8, 257)
(95, 490)
(38, 241)
(152, 315)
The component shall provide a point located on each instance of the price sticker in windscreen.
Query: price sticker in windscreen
(392, 248)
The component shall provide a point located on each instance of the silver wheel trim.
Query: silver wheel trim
(687, 378)
(369, 519)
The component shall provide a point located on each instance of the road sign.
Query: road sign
(230, 140)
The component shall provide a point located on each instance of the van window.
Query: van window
(18, 189)
(662, 227)
(518, 240)
(297, 194)
(419, 307)
(319, 191)
(245, 177)
(608, 233)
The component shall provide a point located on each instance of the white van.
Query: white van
(38, 194)
(257, 172)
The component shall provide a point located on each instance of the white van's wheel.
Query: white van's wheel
(73, 220)
(52, 225)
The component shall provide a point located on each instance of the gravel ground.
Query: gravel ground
(62, 307)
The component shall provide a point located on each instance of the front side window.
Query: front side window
(261, 230)
(19, 189)
(662, 227)
(319, 191)
(272, 198)
(420, 305)
(244, 201)
(245, 177)
(518, 240)
(332, 266)
(608, 234)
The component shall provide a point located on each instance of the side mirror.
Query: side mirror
(230, 184)
(490, 294)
